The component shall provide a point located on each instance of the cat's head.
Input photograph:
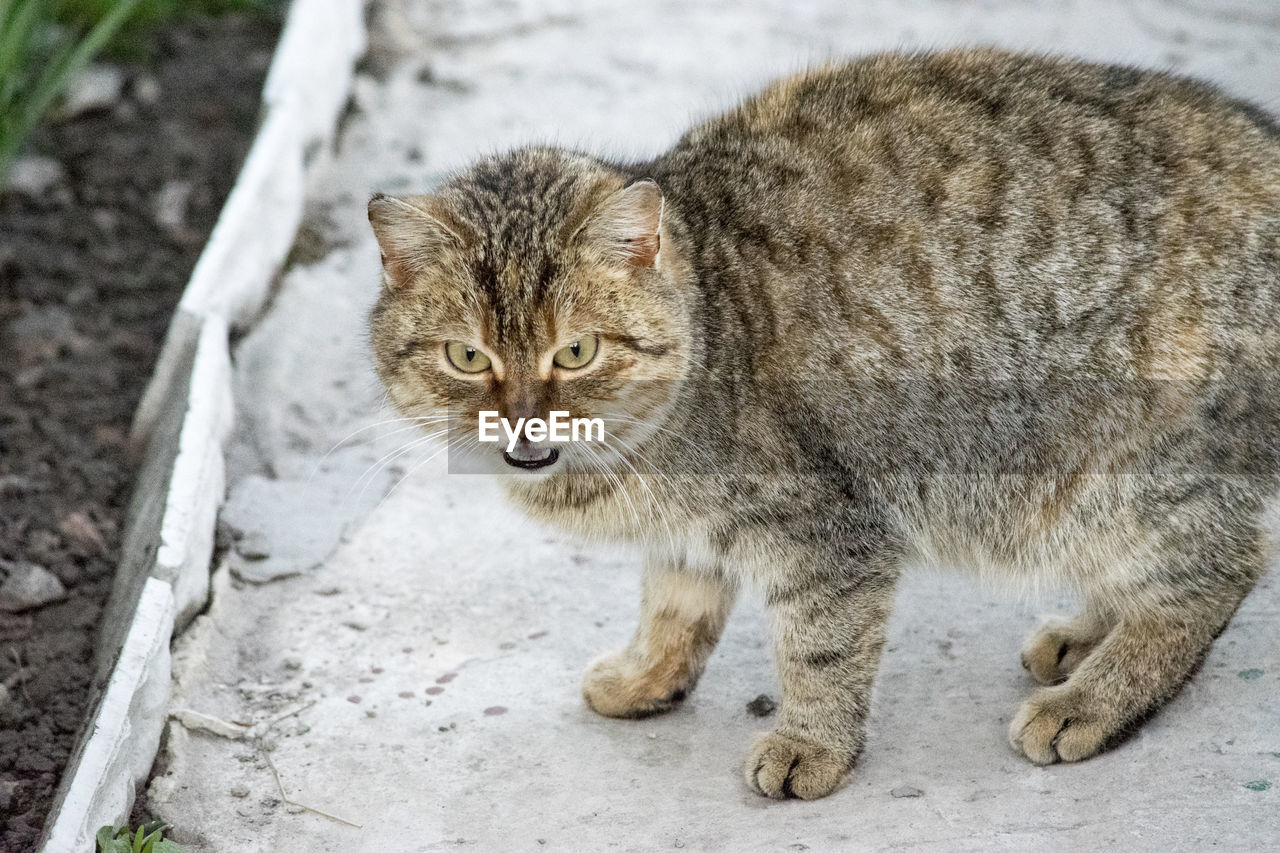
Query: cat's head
(534, 282)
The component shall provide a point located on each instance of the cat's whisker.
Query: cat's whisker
(656, 469)
(417, 466)
(619, 486)
(632, 449)
(658, 509)
(638, 422)
(417, 422)
(393, 453)
(372, 472)
(469, 449)
(701, 455)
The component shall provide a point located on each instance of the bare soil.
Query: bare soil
(90, 273)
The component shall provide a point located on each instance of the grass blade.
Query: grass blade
(25, 108)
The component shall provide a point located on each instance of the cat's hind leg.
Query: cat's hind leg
(681, 616)
(1057, 647)
(1157, 642)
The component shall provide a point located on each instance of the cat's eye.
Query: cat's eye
(465, 357)
(577, 354)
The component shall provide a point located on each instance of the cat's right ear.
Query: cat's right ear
(412, 231)
(627, 225)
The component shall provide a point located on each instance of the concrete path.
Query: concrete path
(408, 651)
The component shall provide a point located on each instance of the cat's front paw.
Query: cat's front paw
(619, 684)
(782, 766)
(1061, 724)
(1055, 649)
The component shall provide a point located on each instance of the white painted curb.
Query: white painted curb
(233, 276)
(198, 482)
(173, 528)
(126, 730)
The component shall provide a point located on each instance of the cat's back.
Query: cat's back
(995, 202)
(1033, 94)
(915, 115)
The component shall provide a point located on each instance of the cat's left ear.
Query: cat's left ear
(626, 225)
(412, 232)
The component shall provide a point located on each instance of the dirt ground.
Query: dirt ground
(90, 272)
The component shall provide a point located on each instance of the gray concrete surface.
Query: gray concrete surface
(422, 680)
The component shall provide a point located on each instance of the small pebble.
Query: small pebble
(905, 791)
(79, 529)
(434, 691)
(19, 485)
(239, 791)
(495, 711)
(354, 700)
(146, 89)
(28, 586)
(446, 678)
(106, 219)
(8, 792)
(97, 87)
(293, 663)
(405, 694)
(170, 204)
(34, 176)
(108, 437)
(762, 706)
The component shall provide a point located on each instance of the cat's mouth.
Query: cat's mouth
(529, 458)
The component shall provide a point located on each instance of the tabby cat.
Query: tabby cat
(981, 308)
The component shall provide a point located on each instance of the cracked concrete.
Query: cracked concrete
(422, 679)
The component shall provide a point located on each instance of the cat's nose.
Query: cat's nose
(525, 406)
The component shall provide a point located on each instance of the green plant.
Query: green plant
(148, 839)
(134, 40)
(38, 58)
(152, 12)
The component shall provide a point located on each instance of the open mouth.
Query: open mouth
(530, 464)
